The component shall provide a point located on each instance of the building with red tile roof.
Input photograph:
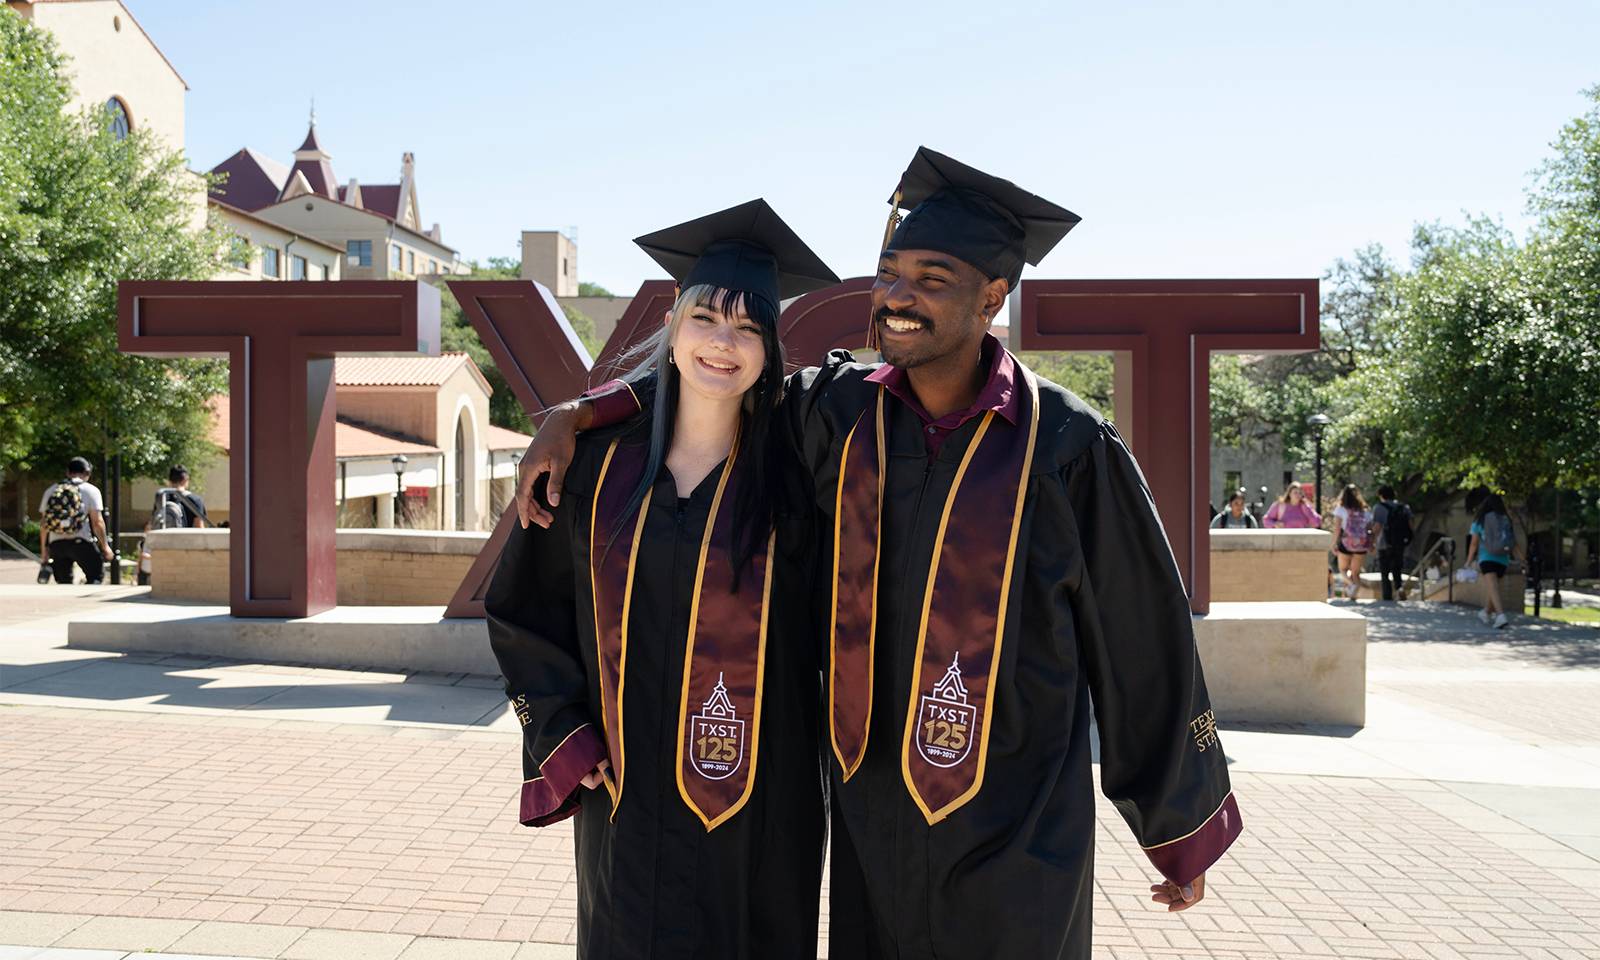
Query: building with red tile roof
(411, 432)
(378, 225)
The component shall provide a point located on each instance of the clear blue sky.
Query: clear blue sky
(1205, 139)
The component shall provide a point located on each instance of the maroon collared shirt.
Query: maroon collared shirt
(998, 394)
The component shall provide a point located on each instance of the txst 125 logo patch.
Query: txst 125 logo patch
(717, 735)
(945, 720)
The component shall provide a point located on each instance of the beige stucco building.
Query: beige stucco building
(458, 471)
(271, 252)
(377, 226)
(114, 64)
(550, 257)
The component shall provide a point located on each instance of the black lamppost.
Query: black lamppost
(1318, 422)
(1555, 601)
(399, 462)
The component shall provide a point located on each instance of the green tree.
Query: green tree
(1495, 374)
(1089, 375)
(1256, 400)
(1494, 366)
(587, 289)
(79, 211)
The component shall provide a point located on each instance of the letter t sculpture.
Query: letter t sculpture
(280, 340)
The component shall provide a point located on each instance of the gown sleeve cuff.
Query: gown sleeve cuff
(550, 797)
(1187, 857)
(613, 402)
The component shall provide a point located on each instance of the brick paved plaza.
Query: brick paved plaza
(200, 807)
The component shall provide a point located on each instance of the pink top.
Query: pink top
(1292, 515)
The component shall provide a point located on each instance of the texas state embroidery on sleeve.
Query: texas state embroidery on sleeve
(521, 706)
(1204, 728)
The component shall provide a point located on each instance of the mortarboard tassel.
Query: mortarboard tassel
(888, 234)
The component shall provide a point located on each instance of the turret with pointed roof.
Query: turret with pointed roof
(314, 163)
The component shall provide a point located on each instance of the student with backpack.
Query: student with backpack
(1352, 539)
(1393, 520)
(1235, 516)
(70, 526)
(176, 506)
(1492, 545)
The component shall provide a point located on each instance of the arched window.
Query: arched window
(461, 472)
(120, 122)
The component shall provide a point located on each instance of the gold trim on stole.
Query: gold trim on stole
(848, 768)
(614, 779)
(934, 816)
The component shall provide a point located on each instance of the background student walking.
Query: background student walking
(71, 527)
(1352, 539)
(1492, 544)
(1235, 515)
(1292, 511)
(176, 506)
(1393, 520)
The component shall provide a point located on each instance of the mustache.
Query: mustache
(884, 313)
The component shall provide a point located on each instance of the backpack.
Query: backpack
(1499, 537)
(1355, 537)
(168, 513)
(63, 511)
(1397, 532)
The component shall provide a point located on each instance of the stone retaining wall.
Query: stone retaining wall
(1269, 565)
(374, 567)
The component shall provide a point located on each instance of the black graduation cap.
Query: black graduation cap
(746, 248)
(990, 223)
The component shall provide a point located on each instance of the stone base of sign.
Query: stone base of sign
(1256, 565)
(1285, 662)
(394, 638)
(373, 567)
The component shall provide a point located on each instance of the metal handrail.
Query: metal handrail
(6, 539)
(1447, 547)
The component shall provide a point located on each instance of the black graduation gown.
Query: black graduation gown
(1103, 624)
(1103, 620)
(652, 882)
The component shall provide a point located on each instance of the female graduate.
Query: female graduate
(655, 639)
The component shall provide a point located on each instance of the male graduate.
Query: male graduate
(991, 566)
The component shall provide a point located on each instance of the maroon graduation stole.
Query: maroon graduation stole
(964, 603)
(719, 708)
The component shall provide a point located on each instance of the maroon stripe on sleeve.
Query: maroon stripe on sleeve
(1186, 858)
(613, 402)
(548, 798)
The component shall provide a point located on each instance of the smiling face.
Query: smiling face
(928, 305)
(719, 355)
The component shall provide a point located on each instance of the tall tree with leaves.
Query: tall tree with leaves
(1495, 367)
(80, 210)
(1256, 401)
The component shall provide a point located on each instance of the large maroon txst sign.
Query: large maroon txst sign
(281, 338)
(1163, 333)
(543, 361)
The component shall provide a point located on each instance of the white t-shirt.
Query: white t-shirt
(92, 501)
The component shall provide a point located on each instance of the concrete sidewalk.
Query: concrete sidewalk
(205, 807)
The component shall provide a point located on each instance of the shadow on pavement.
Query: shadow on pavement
(417, 698)
(1528, 639)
